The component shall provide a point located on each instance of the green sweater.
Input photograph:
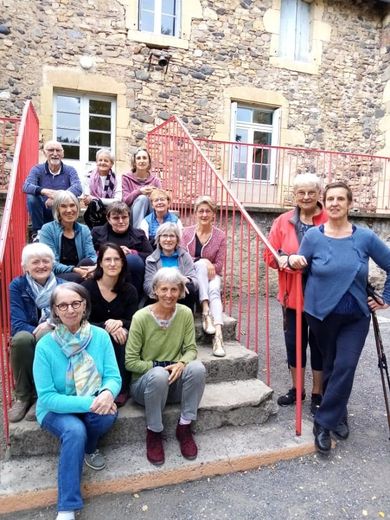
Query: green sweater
(148, 342)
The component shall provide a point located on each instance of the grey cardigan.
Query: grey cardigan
(153, 264)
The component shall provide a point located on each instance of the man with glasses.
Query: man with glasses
(43, 182)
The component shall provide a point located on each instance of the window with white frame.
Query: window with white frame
(295, 30)
(83, 124)
(255, 130)
(159, 16)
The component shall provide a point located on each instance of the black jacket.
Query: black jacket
(133, 239)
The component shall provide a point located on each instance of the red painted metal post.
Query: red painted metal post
(298, 343)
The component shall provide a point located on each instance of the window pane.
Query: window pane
(241, 135)
(244, 114)
(262, 138)
(146, 21)
(65, 135)
(263, 117)
(68, 120)
(71, 152)
(261, 172)
(168, 25)
(147, 4)
(100, 123)
(100, 107)
(68, 104)
(92, 153)
(100, 140)
(168, 7)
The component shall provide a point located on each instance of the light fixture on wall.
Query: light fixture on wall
(160, 57)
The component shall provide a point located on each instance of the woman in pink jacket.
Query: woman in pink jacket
(207, 246)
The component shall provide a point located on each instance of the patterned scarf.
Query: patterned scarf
(42, 294)
(82, 376)
(108, 189)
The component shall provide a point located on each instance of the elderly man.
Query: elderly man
(44, 180)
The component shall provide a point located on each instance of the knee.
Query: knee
(34, 200)
(135, 263)
(196, 370)
(158, 378)
(74, 432)
(201, 267)
(22, 342)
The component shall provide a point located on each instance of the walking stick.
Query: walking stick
(382, 361)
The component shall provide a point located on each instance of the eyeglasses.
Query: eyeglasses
(76, 304)
(116, 218)
(166, 237)
(302, 194)
(160, 199)
(52, 150)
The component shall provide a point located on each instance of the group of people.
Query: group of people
(333, 255)
(102, 313)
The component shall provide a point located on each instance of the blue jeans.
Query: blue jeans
(139, 209)
(136, 268)
(78, 434)
(39, 213)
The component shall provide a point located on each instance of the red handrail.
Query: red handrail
(13, 238)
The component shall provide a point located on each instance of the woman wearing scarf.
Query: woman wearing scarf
(102, 188)
(77, 379)
(30, 310)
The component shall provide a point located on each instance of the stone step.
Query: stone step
(228, 329)
(231, 403)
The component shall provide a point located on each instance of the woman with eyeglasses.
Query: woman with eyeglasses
(77, 379)
(160, 201)
(133, 242)
(113, 303)
(169, 254)
(286, 234)
(207, 246)
(138, 185)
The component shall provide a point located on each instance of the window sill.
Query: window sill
(157, 39)
(299, 66)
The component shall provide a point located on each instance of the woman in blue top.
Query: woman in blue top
(77, 379)
(337, 308)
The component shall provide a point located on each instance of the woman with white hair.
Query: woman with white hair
(30, 320)
(71, 242)
(286, 234)
(160, 354)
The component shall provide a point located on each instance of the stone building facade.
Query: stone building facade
(225, 55)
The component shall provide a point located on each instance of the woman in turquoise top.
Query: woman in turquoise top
(77, 379)
(337, 308)
(161, 355)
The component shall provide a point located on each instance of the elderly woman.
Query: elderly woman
(207, 246)
(336, 255)
(70, 241)
(133, 242)
(160, 201)
(286, 234)
(170, 254)
(138, 185)
(77, 380)
(113, 303)
(160, 354)
(102, 188)
(30, 320)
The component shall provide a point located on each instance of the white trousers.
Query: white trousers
(210, 290)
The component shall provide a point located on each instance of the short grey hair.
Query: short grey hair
(36, 250)
(105, 151)
(170, 275)
(70, 286)
(168, 227)
(61, 197)
(304, 179)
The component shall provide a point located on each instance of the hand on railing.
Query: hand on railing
(296, 262)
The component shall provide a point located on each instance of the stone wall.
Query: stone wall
(338, 108)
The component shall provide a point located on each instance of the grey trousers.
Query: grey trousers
(22, 357)
(152, 391)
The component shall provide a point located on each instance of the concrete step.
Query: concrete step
(231, 403)
(228, 329)
(31, 482)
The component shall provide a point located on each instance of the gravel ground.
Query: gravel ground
(353, 483)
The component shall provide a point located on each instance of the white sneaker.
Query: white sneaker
(65, 515)
(218, 349)
(207, 324)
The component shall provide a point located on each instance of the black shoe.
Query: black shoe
(290, 397)
(342, 430)
(315, 403)
(322, 439)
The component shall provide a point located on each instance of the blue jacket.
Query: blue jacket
(40, 178)
(24, 312)
(51, 234)
(340, 265)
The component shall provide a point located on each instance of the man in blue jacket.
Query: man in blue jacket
(44, 180)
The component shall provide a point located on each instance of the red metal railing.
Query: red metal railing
(13, 238)
(262, 175)
(8, 132)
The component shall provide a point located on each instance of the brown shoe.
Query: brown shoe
(154, 448)
(188, 447)
(18, 410)
(31, 415)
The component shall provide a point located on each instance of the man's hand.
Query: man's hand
(175, 371)
(103, 404)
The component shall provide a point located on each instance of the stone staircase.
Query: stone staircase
(234, 396)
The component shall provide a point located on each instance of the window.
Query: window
(159, 16)
(257, 126)
(295, 18)
(83, 124)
